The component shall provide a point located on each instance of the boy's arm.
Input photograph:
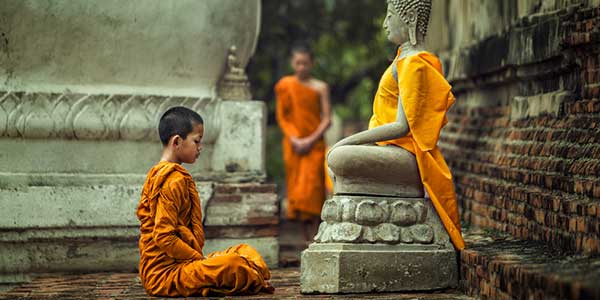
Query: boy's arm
(165, 222)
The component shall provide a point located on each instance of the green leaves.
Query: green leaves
(347, 37)
(351, 54)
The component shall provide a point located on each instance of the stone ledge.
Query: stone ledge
(21, 261)
(498, 267)
(17, 181)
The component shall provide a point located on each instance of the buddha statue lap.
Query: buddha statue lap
(375, 170)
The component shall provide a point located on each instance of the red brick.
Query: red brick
(258, 188)
(225, 189)
(263, 220)
(581, 225)
(226, 198)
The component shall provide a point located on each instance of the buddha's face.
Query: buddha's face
(394, 26)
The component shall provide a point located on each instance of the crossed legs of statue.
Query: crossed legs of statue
(375, 170)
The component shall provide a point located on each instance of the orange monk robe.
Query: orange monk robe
(328, 181)
(426, 97)
(299, 115)
(171, 241)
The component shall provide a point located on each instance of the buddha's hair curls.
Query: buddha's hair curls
(422, 9)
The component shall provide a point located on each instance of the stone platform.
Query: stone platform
(345, 268)
(128, 286)
(384, 244)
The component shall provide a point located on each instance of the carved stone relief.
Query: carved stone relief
(95, 117)
(358, 219)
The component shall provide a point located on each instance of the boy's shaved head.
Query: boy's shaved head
(177, 120)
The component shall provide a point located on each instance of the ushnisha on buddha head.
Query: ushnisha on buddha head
(407, 21)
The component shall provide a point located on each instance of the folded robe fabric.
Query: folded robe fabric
(299, 115)
(426, 97)
(172, 238)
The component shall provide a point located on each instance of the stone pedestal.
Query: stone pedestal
(370, 243)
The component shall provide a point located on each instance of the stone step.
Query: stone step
(499, 267)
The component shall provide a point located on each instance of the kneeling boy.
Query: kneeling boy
(172, 237)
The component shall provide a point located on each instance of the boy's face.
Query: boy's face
(302, 64)
(187, 150)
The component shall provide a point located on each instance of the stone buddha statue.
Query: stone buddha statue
(234, 84)
(379, 232)
(358, 163)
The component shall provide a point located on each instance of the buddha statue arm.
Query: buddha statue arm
(382, 133)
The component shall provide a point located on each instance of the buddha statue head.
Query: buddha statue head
(407, 20)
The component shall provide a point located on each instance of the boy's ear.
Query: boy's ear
(176, 140)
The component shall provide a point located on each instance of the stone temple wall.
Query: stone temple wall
(523, 139)
(82, 86)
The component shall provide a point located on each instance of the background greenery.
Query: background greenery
(351, 54)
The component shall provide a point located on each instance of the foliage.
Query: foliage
(351, 54)
(347, 38)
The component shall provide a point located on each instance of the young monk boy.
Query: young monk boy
(303, 114)
(172, 237)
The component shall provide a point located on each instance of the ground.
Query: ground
(128, 286)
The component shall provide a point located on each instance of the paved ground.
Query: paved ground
(127, 286)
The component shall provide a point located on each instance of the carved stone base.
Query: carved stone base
(387, 244)
(362, 268)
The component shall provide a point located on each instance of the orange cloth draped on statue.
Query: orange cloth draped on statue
(171, 241)
(426, 97)
(299, 115)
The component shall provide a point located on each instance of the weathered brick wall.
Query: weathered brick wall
(523, 141)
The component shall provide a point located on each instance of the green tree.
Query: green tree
(351, 54)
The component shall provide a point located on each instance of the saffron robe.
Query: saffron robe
(299, 115)
(426, 97)
(171, 259)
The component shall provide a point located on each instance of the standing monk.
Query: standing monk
(303, 114)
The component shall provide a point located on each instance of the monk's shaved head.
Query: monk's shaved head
(302, 48)
(177, 120)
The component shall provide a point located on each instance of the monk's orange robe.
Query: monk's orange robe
(426, 97)
(171, 241)
(299, 115)
(328, 181)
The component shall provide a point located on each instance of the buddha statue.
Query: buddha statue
(379, 222)
(234, 84)
(359, 163)
(398, 156)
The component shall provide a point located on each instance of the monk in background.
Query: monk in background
(303, 114)
(171, 259)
